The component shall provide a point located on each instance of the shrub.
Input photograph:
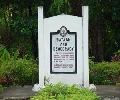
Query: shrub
(106, 73)
(4, 54)
(91, 62)
(64, 92)
(1, 88)
(18, 71)
(116, 56)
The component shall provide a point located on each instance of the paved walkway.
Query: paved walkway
(106, 92)
(17, 93)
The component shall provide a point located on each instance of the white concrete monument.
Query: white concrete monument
(63, 48)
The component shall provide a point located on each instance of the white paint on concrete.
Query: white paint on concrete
(85, 47)
(73, 24)
(92, 87)
(41, 48)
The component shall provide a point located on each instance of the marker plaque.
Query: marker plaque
(63, 51)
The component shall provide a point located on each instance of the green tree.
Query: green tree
(18, 24)
(59, 7)
(21, 25)
(104, 27)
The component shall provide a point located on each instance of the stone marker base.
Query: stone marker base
(36, 87)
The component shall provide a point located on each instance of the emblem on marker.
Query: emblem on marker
(63, 31)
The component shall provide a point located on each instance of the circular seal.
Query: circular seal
(63, 31)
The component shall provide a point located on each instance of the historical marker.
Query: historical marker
(63, 51)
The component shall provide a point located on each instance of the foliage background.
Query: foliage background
(105, 73)
(18, 24)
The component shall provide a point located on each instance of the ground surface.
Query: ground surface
(106, 92)
(17, 93)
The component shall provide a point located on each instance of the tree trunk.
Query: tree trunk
(96, 39)
(30, 9)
